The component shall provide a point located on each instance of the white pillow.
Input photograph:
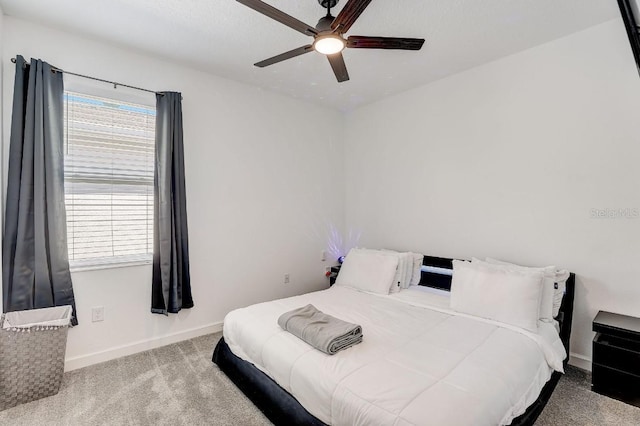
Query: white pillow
(548, 284)
(405, 270)
(368, 270)
(551, 296)
(399, 277)
(407, 260)
(508, 296)
(402, 265)
(396, 285)
(416, 276)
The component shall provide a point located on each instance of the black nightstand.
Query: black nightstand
(616, 357)
(334, 274)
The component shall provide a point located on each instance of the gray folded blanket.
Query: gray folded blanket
(324, 332)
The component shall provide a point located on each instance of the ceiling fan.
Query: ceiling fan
(328, 34)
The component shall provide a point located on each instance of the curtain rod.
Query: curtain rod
(115, 84)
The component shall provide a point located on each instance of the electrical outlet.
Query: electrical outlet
(286, 279)
(97, 314)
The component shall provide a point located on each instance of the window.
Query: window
(108, 177)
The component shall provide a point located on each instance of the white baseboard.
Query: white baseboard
(139, 346)
(580, 361)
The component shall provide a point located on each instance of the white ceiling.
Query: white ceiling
(226, 38)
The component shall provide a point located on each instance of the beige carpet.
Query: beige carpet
(179, 385)
(173, 385)
(573, 403)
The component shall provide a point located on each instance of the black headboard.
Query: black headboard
(437, 273)
(436, 277)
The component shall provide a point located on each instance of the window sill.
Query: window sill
(99, 266)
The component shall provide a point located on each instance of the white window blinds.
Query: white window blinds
(108, 173)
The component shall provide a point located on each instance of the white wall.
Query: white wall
(508, 160)
(504, 160)
(264, 181)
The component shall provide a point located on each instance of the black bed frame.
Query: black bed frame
(282, 408)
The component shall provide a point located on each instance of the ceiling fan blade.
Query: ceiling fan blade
(339, 67)
(348, 15)
(284, 56)
(363, 42)
(279, 16)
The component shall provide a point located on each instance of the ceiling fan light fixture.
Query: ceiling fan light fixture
(329, 44)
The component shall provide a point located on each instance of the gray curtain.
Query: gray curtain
(35, 263)
(171, 285)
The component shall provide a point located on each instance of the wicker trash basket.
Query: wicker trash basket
(32, 348)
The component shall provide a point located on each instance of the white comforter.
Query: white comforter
(419, 363)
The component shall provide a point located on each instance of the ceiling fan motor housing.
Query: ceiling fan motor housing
(324, 24)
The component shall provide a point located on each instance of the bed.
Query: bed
(399, 372)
